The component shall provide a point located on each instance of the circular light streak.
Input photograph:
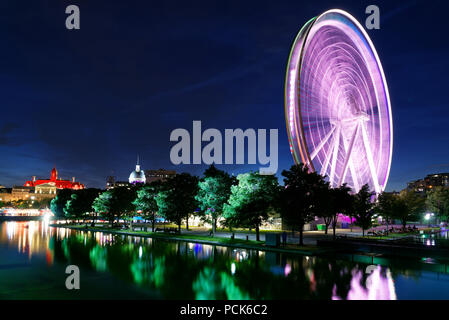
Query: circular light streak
(337, 105)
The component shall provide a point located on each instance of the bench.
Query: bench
(167, 230)
(172, 230)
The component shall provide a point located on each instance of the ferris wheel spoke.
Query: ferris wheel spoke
(335, 155)
(369, 156)
(321, 145)
(348, 155)
(328, 157)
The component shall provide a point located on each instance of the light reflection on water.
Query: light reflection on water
(183, 270)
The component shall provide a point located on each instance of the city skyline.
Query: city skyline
(126, 88)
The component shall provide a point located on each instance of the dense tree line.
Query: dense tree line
(246, 201)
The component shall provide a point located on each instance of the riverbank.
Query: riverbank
(411, 245)
(221, 241)
(21, 218)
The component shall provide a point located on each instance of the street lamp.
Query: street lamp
(428, 216)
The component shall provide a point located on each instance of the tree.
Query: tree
(408, 207)
(80, 203)
(57, 204)
(115, 203)
(71, 209)
(342, 202)
(363, 208)
(324, 207)
(213, 192)
(386, 206)
(176, 201)
(299, 198)
(251, 200)
(146, 201)
(438, 202)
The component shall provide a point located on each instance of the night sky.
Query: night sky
(88, 101)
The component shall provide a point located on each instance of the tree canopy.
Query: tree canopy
(300, 198)
(176, 201)
(363, 208)
(213, 193)
(146, 201)
(115, 203)
(251, 200)
(438, 202)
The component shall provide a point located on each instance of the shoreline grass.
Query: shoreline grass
(237, 243)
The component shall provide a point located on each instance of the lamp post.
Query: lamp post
(427, 218)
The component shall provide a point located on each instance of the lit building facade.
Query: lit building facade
(429, 182)
(54, 181)
(159, 175)
(21, 193)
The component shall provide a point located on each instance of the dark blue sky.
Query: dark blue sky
(90, 100)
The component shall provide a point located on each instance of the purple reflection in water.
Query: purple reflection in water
(378, 286)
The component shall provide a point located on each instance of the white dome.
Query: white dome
(137, 176)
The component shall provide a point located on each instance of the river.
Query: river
(34, 257)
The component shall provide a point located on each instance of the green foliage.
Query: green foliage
(409, 207)
(146, 200)
(176, 200)
(333, 201)
(71, 209)
(213, 192)
(363, 208)
(115, 203)
(251, 200)
(80, 203)
(385, 205)
(57, 204)
(301, 198)
(438, 202)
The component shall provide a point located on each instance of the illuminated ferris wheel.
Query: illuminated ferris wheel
(337, 104)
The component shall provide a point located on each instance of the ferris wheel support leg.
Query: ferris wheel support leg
(335, 155)
(348, 155)
(369, 156)
(352, 169)
(328, 158)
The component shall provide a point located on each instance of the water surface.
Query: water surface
(33, 258)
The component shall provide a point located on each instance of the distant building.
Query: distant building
(122, 184)
(18, 193)
(429, 182)
(45, 188)
(110, 182)
(137, 176)
(54, 181)
(158, 175)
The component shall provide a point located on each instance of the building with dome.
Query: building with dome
(138, 175)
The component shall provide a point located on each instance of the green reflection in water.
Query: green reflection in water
(98, 257)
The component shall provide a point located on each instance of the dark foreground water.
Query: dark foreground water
(33, 258)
